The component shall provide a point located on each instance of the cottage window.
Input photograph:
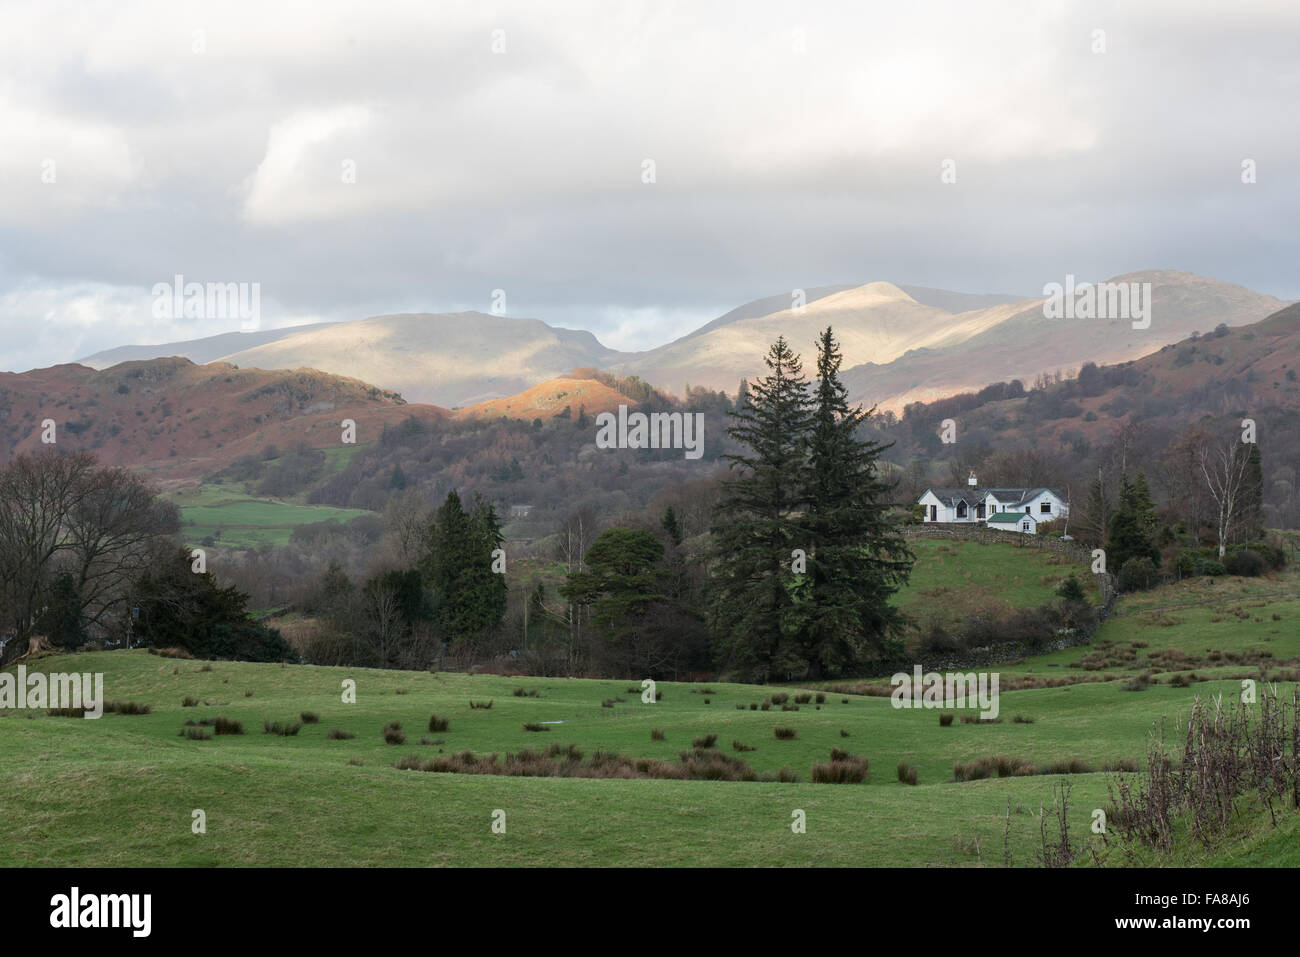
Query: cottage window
(961, 509)
(1045, 508)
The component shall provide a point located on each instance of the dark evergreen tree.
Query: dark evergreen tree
(672, 526)
(181, 608)
(855, 558)
(756, 527)
(469, 597)
(1130, 532)
(61, 621)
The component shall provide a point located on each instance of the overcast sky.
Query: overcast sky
(503, 146)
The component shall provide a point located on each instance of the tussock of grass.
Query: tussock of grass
(843, 768)
(222, 725)
(784, 734)
(338, 734)
(125, 707)
(285, 729)
(568, 761)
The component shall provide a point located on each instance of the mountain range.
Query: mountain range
(900, 343)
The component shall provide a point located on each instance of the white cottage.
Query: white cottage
(988, 506)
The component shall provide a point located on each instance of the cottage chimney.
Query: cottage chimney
(971, 480)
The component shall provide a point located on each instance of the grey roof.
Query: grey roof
(1004, 496)
(951, 496)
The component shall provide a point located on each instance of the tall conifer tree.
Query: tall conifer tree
(756, 525)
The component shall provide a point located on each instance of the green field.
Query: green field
(233, 517)
(955, 578)
(120, 790)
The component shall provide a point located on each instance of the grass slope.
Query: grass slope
(120, 790)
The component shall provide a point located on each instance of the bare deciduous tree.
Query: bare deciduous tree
(1224, 468)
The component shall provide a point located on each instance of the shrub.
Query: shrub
(227, 726)
(309, 717)
(438, 724)
(338, 734)
(784, 734)
(1245, 563)
(1138, 574)
(283, 730)
(1070, 589)
(708, 741)
(907, 773)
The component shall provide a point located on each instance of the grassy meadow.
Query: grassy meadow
(120, 790)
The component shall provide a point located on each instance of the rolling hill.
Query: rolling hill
(181, 420)
(452, 360)
(1018, 342)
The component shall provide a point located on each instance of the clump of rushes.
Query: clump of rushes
(393, 733)
(227, 726)
(534, 726)
(656, 734)
(708, 741)
(483, 705)
(784, 734)
(196, 734)
(780, 698)
(945, 719)
(125, 707)
(843, 768)
(740, 746)
(338, 734)
(188, 702)
(285, 730)
(907, 773)
(309, 717)
(525, 692)
(438, 724)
